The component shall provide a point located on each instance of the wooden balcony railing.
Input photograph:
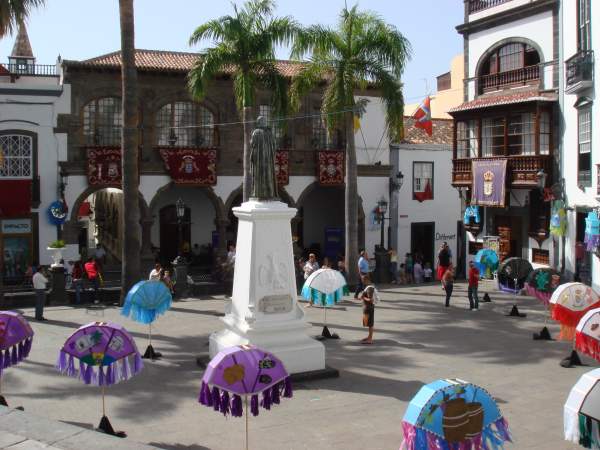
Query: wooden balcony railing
(480, 5)
(579, 71)
(496, 81)
(521, 171)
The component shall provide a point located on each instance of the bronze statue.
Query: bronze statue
(262, 162)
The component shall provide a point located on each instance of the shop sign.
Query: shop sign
(445, 237)
(16, 226)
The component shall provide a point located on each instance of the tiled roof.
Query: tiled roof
(487, 101)
(164, 61)
(22, 45)
(442, 132)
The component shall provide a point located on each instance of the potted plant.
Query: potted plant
(56, 248)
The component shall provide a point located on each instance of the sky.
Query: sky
(81, 29)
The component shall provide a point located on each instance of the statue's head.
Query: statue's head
(261, 122)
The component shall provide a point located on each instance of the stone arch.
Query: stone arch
(144, 210)
(285, 197)
(502, 42)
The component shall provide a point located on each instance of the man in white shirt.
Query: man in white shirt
(39, 286)
(156, 273)
(311, 265)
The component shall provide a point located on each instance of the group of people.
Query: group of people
(412, 270)
(161, 274)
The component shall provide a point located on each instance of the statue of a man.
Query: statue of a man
(262, 162)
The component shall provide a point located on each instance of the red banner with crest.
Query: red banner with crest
(191, 166)
(330, 167)
(282, 167)
(104, 166)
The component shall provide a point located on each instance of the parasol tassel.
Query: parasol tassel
(6, 359)
(275, 392)
(254, 405)
(224, 404)
(205, 397)
(266, 399)
(61, 363)
(81, 369)
(125, 370)
(110, 379)
(88, 375)
(14, 357)
(138, 364)
(71, 367)
(1, 364)
(237, 410)
(101, 377)
(587, 345)
(19, 348)
(216, 395)
(287, 393)
(27, 347)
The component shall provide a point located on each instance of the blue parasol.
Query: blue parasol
(453, 414)
(486, 261)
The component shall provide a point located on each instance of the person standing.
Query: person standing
(394, 265)
(444, 260)
(77, 280)
(39, 286)
(311, 266)
(363, 273)
(93, 275)
(448, 283)
(368, 297)
(418, 272)
(408, 268)
(473, 285)
(156, 273)
(427, 272)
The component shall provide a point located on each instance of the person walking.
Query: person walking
(473, 285)
(39, 286)
(368, 297)
(448, 283)
(408, 268)
(444, 260)
(363, 273)
(77, 280)
(93, 275)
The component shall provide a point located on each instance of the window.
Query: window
(102, 122)
(584, 37)
(422, 180)
(492, 136)
(276, 126)
(185, 124)
(466, 139)
(322, 138)
(16, 157)
(521, 134)
(545, 133)
(584, 128)
(510, 57)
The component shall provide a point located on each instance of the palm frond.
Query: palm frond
(216, 60)
(314, 72)
(390, 88)
(316, 39)
(13, 12)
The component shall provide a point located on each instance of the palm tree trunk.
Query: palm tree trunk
(351, 202)
(247, 179)
(129, 147)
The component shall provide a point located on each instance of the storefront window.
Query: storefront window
(16, 244)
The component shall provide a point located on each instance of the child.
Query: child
(368, 299)
(166, 278)
(427, 273)
(408, 261)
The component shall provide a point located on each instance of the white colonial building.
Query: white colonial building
(32, 97)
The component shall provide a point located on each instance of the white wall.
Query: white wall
(496, 9)
(371, 141)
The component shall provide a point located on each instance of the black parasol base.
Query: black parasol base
(326, 334)
(106, 427)
(571, 361)
(151, 354)
(543, 335)
(486, 298)
(514, 312)
(3, 401)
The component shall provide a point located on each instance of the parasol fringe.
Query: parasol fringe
(110, 379)
(14, 357)
(144, 315)
(89, 375)
(205, 396)
(1, 364)
(237, 409)
(587, 345)
(71, 367)
(266, 399)
(6, 363)
(138, 364)
(101, 376)
(28, 342)
(224, 404)
(125, 370)
(254, 405)
(275, 393)
(19, 351)
(61, 363)
(287, 393)
(216, 396)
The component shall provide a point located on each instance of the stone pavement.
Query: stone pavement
(417, 340)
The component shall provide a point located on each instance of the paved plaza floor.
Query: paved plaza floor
(417, 340)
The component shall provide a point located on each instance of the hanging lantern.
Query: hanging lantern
(558, 218)
(592, 231)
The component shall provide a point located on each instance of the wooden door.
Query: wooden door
(169, 233)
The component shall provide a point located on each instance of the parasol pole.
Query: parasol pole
(103, 405)
(150, 333)
(246, 411)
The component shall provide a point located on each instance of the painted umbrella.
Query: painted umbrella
(512, 273)
(325, 286)
(581, 415)
(541, 283)
(569, 303)
(486, 261)
(453, 414)
(587, 334)
(16, 336)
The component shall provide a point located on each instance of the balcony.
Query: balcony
(598, 180)
(521, 171)
(36, 70)
(510, 78)
(480, 5)
(579, 72)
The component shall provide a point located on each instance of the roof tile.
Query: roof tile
(503, 98)
(442, 132)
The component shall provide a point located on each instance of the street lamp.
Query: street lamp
(382, 206)
(396, 185)
(180, 210)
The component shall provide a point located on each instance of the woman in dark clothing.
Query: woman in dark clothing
(448, 283)
(368, 299)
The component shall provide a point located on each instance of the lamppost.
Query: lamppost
(181, 270)
(180, 210)
(382, 206)
(382, 258)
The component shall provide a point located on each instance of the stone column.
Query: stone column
(222, 230)
(146, 256)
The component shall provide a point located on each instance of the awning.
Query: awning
(15, 197)
(491, 100)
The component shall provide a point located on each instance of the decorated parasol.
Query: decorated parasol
(16, 336)
(568, 304)
(587, 334)
(486, 261)
(325, 287)
(540, 284)
(512, 274)
(592, 231)
(144, 302)
(107, 354)
(453, 414)
(241, 372)
(582, 411)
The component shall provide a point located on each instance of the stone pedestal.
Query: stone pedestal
(58, 291)
(264, 310)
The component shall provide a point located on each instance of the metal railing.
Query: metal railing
(598, 179)
(480, 5)
(580, 68)
(39, 70)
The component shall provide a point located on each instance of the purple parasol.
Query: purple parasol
(15, 339)
(244, 371)
(106, 352)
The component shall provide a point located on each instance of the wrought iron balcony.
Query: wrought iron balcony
(521, 171)
(579, 71)
(38, 70)
(598, 180)
(497, 81)
(480, 5)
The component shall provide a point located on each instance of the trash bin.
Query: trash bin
(382, 267)
(181, 272)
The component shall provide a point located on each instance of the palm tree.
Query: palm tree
(129, 152)
(244, 46)
(13, 12)
(363, 51)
